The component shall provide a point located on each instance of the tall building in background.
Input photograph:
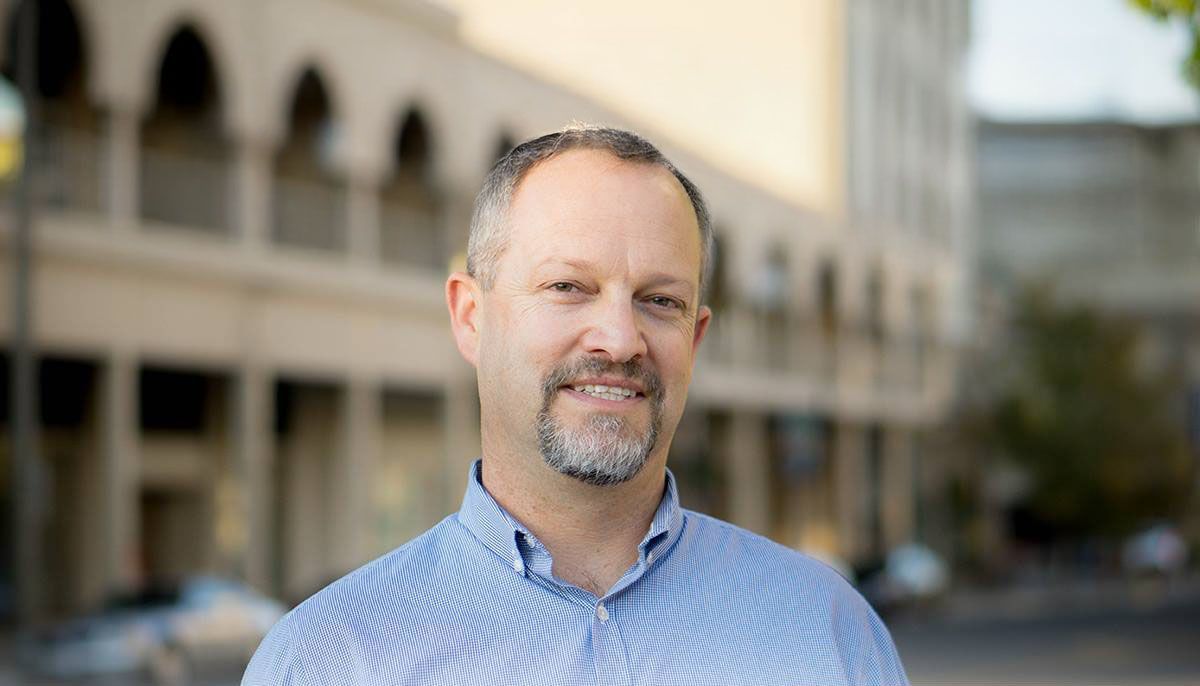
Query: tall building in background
(244, 217)
(1108, 212)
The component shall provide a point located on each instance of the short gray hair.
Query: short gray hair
(489, 221)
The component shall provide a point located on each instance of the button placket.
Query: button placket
(612, 666)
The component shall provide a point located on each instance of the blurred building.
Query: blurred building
(1109, 212)
(244, 215)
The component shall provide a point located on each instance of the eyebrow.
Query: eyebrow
(655, 279)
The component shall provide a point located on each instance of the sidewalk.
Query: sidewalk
(1030, 601)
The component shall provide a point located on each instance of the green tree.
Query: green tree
(1186, 12)
(1072, 405)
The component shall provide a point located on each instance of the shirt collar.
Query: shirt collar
(494, 527)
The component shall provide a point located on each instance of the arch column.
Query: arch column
(120, 430)
(848, 477)
(460, 422)
(748, 465)
(253, 403)
(363, 216)
(122, 135)
(360, 424)
(252, 192)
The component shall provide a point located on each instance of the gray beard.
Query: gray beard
(605, 451)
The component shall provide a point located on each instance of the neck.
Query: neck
(592, 532)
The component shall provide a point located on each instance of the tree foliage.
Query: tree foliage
(1072, 405)
(1186, 12)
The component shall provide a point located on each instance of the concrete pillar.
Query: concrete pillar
(122, 477)
(898, 506)
(744, 340)
(748, 468)
(461, 426)
(252, 191)
(93, 502)
(848, 478)
(353, 519)
(254, 450)
(123, 135)
(363, 219)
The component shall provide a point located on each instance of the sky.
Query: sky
(1077, 59)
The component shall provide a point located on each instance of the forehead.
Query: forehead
(584, 202)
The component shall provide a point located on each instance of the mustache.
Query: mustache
(633, 370)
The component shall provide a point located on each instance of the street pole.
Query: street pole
(26, 496)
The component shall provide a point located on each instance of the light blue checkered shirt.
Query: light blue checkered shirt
(473, 601)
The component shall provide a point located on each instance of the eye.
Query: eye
(665, 302)
(563, 287)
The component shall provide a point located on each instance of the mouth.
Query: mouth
(605, 392)
(608, 390)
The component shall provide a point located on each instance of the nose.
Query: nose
(615, 330)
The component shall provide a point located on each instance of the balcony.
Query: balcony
(186, 191)
(67, 169)
(411, 238)
(793, 346)
(309, 214)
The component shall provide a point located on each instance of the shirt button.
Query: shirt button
(602, 612)
(518, 566)
(649, 558)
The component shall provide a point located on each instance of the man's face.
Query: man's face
(587, 338)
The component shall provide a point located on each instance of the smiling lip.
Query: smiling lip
(604, 401)
(605, 390)
(610, 387)
(625, 384)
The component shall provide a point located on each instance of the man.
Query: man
(571, 561)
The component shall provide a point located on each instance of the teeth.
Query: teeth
(606, 392)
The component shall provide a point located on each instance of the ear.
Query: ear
(463, 298)
(703, 319)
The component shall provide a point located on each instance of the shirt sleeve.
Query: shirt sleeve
(869, 654)
(890, 671)
(277, 660)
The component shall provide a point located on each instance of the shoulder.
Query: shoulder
(788, 588)
(385, 583)
(732, 545)
(333, 623)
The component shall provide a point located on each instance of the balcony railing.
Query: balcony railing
(793, 345)
(187, 191)
(410, 237)
(309, 214)
(66, 165)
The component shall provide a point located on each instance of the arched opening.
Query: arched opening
(411, 209)
(774, 312)
(504, 145)
(309, 196)
(185, 159)
(718, 344)
(827, 298)
(876, 325)
(922, 331)
(718, 296)
(64, 152)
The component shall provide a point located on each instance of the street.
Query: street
(1154, 644)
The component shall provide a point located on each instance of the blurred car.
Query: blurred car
(911, 575)
(1157, 550)
(166, 635)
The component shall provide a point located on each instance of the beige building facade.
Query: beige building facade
(244, 214)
